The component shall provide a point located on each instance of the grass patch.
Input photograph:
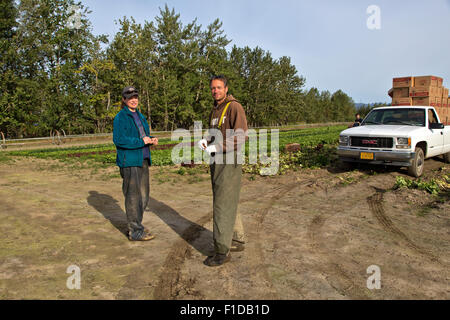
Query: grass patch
(4, 158)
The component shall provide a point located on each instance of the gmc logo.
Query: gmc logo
(369, 141)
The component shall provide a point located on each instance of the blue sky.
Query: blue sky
(328, 41)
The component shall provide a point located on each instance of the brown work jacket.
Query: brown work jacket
(235, 119)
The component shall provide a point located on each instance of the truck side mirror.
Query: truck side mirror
(435, 125)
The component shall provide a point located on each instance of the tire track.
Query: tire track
(375, 202)
(170, 278)
(335, 274)
(260, 270)
(340, 281)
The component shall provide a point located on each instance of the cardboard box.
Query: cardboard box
(402, 101)
(443, 115)
(446, 119)
(438, 111)
(401, 93)
(292, 147)
(444, 112)
(403, 82)
(424, 101)
(445, 102)
(425, 92)
(427, 81)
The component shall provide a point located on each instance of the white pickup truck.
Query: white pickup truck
(398, 136)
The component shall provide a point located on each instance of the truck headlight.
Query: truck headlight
(343, 140)
(403, 143)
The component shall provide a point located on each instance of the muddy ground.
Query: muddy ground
(312, 234)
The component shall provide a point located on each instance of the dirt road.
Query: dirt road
(312, 234)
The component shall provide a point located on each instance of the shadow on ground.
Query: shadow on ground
(344, 167)
(110, 209)
(196, 235)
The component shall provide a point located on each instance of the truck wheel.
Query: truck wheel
(416, 168)
(447, 157)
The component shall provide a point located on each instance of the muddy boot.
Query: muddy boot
(217, 260)
(237, 246)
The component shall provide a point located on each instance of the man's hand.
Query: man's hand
(202, 144)
(211, 149)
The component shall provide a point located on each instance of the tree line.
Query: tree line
(56, 74)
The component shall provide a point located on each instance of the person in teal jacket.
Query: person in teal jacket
(131, 135)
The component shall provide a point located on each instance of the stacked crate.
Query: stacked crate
(400, 91)
(422, 91)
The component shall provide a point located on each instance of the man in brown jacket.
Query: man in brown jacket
(228, 132)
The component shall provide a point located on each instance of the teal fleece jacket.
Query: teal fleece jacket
(128, 142)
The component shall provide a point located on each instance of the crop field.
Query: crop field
(104, 154)
(313, 230)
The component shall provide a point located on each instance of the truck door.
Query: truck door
(446, 147)
(436, 136)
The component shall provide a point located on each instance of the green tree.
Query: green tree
(57, 75)
(8, 64)
(288, 93)
(343, 107)
(99, 72)
(212, 60)
(51, 93)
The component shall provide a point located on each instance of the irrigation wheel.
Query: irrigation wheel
(56, 137)
(2, 141)
(63, 137)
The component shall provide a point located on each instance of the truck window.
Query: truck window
(395, 117)
(417, 117)
(431, 116)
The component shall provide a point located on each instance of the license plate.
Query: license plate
(366, 156)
